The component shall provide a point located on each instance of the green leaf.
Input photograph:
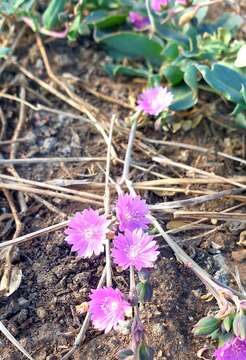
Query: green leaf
(240, 120)
(133, 45)
(225, 80)
(75, 28)
(171, 51)
(103, 19)
(183, 98)
(168, 32)
(114, 70)
(4, 52)
(190, 77)
(51, 14)
(206, 326)
(241, 57)
(173, 74)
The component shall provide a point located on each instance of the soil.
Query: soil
(41, 314)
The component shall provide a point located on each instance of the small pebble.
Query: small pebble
(41, 313)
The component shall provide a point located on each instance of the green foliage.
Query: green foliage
(51, 14)
(185, 57)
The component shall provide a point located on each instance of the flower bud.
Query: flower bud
(125, 353)
(215, 335)
(206, 326)
(145, 352)
(228, 321)
(239, 325)
(144, 275)
(144, 292)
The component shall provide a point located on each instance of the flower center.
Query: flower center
(114, 305)
(133, 252)
(89, 234)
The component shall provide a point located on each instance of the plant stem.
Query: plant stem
(150, 16)
(132, 280)
(107, 203)
(127, 161)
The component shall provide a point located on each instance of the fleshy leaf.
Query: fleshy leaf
(225, 80)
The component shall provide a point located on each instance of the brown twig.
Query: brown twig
(33, 235)
(49, 160)
(29, 189)
(3, 124)
(69, 101)
(194, 201)
(163, 160)
(18, 228)
(210, 215)
(12, 339)
(85, 107)
(52, 187)
(195, 148)
(20, 140)
(81, 335)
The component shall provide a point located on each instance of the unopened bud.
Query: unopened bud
(228, 321)
(144, 275)
(125, 353)
(144, 292)
(239, 325)
(145, 352)
(206, 326)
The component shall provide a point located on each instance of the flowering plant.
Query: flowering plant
(174, 38)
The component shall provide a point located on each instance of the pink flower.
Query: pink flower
(132, 211)
(182, 2)
(234, 349)
(157, 5)
(87, 232)
(138, 21)
(135, 249)
(107, 308)
(154, 100)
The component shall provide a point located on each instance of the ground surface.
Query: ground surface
(41, 314)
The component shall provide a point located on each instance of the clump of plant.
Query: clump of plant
(123, 232)
(166, 41)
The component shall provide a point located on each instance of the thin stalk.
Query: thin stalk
(131, 139)
(132, 280)
(107, 204)
(150, 16)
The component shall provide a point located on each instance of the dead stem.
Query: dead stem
(52, 187)
(210, 215)
(49, 160)
(29, 189)
(194, 201)
(33, 235)
(69, 101)
(127, 161)
(3, 124)
(20, 140)
(18, 228)
(100, 95)
(163, 160)
(81, 335)
(195, 148)
(16, 343)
